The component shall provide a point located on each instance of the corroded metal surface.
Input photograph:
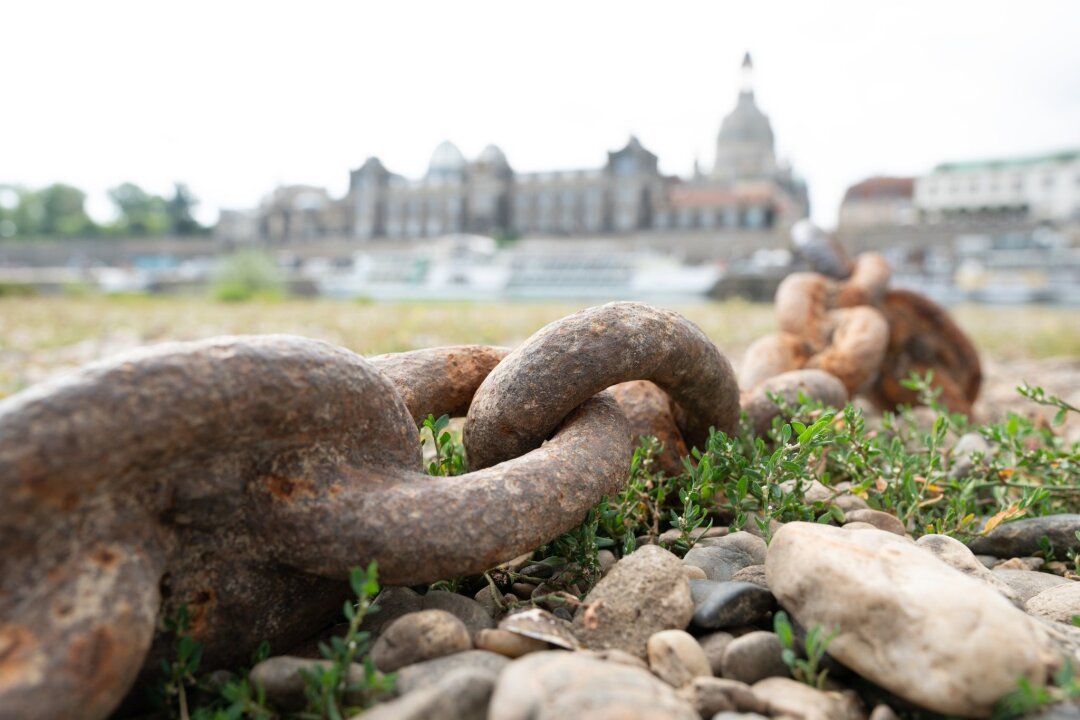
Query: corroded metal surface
(771, 355)
(868, 282)
(242, 477)
(857, 338)
(923, 338)
(814, 384)
(650, 411)
(827, 324)
(439, 381)
(529, 393)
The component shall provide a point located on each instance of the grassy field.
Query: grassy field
(42, 336)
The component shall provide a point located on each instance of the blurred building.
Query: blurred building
(1040, 188)
(747, 190)
(876, 202)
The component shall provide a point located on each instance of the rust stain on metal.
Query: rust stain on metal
(289, 488)
(246, 476)
(923, 338)
(18, 645)
(537, 385)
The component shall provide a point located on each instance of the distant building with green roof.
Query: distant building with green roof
(1030, 188)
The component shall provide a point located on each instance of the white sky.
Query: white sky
(235, 97)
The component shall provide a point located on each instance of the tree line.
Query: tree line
(59, 211)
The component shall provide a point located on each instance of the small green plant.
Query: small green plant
(247, 275)
(806, 670)
(331, 691)
(449, 452)
(180, 673)
(1040, 396)
(1027, 698)
(581, 548)
(640, 507)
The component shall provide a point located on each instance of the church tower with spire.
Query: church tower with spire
(745, 149)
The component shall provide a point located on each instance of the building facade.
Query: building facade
(878, 202)
(1043, 188)
(747, 189)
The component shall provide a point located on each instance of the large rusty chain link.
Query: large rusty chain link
(243, 477)
(843, 335)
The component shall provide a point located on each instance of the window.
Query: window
(755, 217)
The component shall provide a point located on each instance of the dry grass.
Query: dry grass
(42, 336)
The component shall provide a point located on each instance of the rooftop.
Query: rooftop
(1062, 156)
(880, 187)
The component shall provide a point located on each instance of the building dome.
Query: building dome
(745, 145)
(446, 161)
(492, 156)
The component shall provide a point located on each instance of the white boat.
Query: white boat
(470, 267)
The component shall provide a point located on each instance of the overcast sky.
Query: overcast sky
(235, 98)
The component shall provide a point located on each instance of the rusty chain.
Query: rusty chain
(243, 477)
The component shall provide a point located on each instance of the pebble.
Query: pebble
(693, 572)
(749, 543)
(644, 593)
(540, 624)
(618, 656)
(753, 574)
(462, 694)
(1025, 563)
(1061, 711)
(813, 491)
(676, 657)
(849, 502)
(468, 611)
(719, 563)
(711, 695)
(284, 686)
(907, 621)
(719, 605)
(393, 602)
(880, 520)
(883, 712)
(486, 600)
(523, 590)
(1026, 584)
(607, 561)
(793, 699)
(540, 570)
(559, 684)
(956, 554)
(714, 645)
(855, 525)
(507, 643)
(754, 656)
(1021, 537)
(430, 672)
(1058, 603)
(419, 636)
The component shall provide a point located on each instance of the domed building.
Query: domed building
(747, 193)
(745, 147)
(447, 163)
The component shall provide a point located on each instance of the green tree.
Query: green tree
(61, 209)
(140, 212)
(180, 210)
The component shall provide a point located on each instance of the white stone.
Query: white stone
(907, 621)
(676, 657)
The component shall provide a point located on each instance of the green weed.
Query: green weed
(804, 669)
